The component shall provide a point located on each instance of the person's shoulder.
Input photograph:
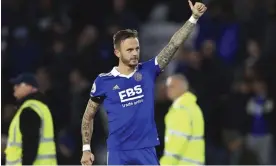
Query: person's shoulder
(151, 66)
(102, 77)
(100, 84)
(148, 62)
(180, 104)
(110, 74)
(28, 113)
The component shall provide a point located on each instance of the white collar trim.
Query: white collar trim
(116, 73)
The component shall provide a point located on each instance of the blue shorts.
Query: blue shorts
(146, 156)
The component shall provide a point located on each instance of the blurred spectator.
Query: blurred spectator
(59, 63)
(56, 99)
(234, 121)
(43, 79)
(31, 107)
(79, 90)
(66, 147)
(247, 67)
(253, 52)
(24, 52)
(87, 51)
(122, 15)
(260, 123)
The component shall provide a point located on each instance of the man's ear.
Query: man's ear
(117, 53)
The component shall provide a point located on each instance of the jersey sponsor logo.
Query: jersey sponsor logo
(131, 94)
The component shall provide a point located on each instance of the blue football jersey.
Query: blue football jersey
(129, 103)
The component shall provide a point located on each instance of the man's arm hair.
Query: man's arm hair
(88, 121)
(165, 56)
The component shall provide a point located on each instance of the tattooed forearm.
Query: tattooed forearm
(87, 121)
(178, 38)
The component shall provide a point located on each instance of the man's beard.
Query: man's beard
(127, 62)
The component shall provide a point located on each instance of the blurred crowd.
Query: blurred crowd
(229, 60)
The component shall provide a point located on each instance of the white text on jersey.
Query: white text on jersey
(131, 94)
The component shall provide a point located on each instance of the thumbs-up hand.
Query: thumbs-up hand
(198, 9)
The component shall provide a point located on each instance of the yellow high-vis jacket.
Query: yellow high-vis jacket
(46, 153)
(184, 135)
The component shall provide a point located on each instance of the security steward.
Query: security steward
(31, 132)
(184, 135)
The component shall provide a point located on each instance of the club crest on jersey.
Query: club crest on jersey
(138, 76)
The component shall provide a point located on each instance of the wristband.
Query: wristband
(86, 147)
(193, 20)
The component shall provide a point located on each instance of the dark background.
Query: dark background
(67, 43)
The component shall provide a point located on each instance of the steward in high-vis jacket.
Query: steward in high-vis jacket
(184, 135)
(31, 132)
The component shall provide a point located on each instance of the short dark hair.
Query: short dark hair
(121, 35)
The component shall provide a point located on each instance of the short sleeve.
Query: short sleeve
(152, 66)
(97, 93)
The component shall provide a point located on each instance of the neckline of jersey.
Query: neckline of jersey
(116, 73)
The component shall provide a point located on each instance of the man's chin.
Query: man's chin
(133, 63)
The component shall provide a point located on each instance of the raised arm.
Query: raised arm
(165, 56)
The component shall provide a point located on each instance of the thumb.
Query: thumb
(190, 4)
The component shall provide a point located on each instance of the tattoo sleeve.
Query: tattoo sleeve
(178, 38)
(88, 121)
